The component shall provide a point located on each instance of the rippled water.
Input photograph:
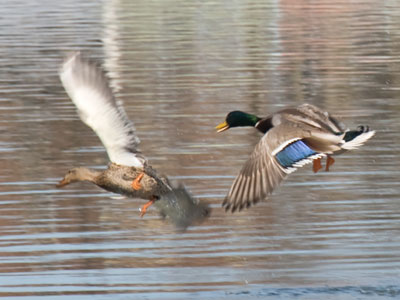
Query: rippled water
(180, 67)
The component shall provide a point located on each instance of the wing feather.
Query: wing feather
(89, 90)
(297, 137)
(262, 172)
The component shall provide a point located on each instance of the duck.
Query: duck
(292, 138)
(129, 172)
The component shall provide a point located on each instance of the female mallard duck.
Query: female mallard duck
(128, 173)
(292, 138)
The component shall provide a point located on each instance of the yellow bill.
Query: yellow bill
(222, 127)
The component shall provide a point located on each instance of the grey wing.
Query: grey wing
(321, 117)
(260, 175)
(89, 90)
(262, 172)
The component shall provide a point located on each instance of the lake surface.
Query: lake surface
(180, 67)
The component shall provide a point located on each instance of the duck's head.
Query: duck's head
(76, 174)
(237, 118)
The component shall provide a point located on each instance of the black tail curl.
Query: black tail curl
(352, 134)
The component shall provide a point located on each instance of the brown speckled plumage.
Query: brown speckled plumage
(118, 179)
(90, 91)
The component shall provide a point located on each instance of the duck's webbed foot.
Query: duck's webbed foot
(329, 162)
(136, 183)
(317, 165)
(144, 208)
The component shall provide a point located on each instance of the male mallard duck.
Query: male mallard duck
(292, 138)
(129, 172)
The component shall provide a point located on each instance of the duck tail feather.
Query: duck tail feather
(356, 138)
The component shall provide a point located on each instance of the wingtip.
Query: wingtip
(229, 207)
(226, 205)
(239, 207)
(72, 55)
(69, 59)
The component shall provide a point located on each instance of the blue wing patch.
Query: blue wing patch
(294, 153)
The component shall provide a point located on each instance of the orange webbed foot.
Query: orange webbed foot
(144, 208)
(136, 183)
(317, 165)
(329, 162)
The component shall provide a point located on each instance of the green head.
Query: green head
(238, 118)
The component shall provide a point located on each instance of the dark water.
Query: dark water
(180, 67)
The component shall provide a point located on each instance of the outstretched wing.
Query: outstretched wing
(274, 157)
(89, 90)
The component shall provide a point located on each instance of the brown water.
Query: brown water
(180, 67)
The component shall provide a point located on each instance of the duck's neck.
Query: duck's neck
(80, 174)
(85, 174)
(263, 125)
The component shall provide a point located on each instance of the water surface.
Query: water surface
(179, 68)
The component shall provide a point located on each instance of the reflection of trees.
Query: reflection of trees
(337, 55)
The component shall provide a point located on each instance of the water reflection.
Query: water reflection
(179, 68)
